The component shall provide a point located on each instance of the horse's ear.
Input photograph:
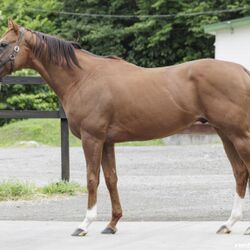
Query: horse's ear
(12, 25)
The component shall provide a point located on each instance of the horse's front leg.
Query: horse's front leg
(92, 147)
(109, 170)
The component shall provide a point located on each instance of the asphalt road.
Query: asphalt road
(166, 183)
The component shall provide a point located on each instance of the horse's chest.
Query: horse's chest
(74, 114)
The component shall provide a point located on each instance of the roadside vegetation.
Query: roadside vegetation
(45, 132)
(62, 187)
(20, 190)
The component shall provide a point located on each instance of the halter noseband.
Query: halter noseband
(12, 56)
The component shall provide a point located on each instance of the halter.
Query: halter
(12, 56)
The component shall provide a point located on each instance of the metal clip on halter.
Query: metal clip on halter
(12, 57)
(16, 49)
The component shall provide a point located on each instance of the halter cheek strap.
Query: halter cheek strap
(12, 56)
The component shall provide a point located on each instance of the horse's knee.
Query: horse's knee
(92, 184)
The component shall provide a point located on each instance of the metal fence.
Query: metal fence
(57, 114)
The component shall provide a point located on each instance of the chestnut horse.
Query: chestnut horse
(109, 100)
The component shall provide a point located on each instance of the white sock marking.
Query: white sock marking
(89, 218)
(236, 213)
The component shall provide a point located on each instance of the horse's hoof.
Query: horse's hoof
(247, 232)
(109, 230)
(223, 230)
(79, 232)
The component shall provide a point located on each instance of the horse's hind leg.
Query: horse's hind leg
(242, 145)
(241, 176)
(109, 170)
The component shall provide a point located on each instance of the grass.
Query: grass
(46, 132)
(18, 190)
(43, 131)
(14, 190)
(63, 187)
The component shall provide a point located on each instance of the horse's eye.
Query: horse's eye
(3, 44)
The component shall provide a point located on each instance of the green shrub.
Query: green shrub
(40, 101)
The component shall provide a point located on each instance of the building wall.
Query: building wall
(234, 45)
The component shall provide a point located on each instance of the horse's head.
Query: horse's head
(20, 47)
(13, 49)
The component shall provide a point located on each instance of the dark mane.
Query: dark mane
(55, 50)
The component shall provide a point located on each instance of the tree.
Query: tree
(151, 41)
(24, 12)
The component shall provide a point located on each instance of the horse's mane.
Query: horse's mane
(57, 50)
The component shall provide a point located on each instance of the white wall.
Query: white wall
(234, 45)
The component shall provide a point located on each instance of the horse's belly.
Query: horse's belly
(149, 127)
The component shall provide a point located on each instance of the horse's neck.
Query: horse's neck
(59, 78)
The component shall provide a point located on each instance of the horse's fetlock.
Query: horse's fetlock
(237, 216)
(92, 217)
(117, 214)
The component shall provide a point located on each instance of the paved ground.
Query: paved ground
(167, 183)
(25, 235)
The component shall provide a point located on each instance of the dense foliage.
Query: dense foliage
(146, 41)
